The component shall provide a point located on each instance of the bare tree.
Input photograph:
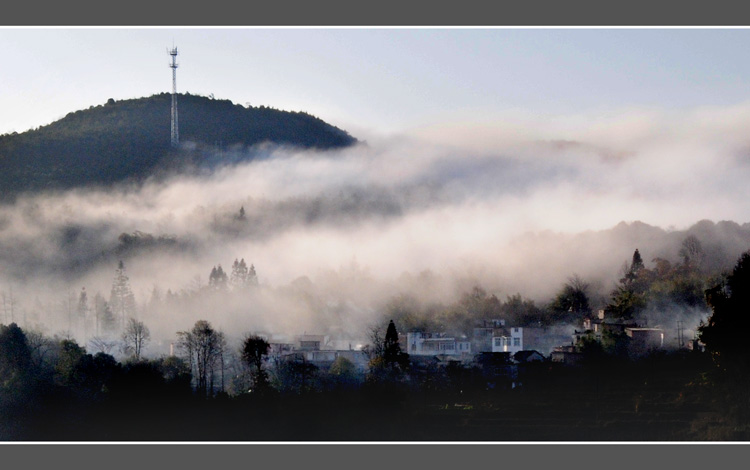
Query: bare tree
(203, 347)
(42, 347)
(376, 347)
(135, 337)
(101, 344)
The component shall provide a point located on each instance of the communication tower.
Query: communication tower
(175, 129)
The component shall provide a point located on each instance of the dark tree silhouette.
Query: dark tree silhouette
(203, 347)
(724, 335)
(392, 354)
(572, 302)
(391, 348)
(628, 298)
(254, 349)
(725, 331)
(635, 268)
(15, 354)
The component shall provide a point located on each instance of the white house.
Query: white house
(431, 344)
(511, 342)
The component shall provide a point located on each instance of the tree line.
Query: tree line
(59, 379)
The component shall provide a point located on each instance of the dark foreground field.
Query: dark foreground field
(665, 398)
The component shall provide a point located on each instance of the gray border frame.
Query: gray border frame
(385, 13)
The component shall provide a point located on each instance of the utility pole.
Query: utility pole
(175, 128)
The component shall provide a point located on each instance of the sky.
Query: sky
(378, 80)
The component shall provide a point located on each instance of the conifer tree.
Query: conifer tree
(218, 278)
(629, 297)
(391, 348)
(635, 267)
(83, 303)
(240, 274)
(104, 318)
(121, 299)
(252, 276)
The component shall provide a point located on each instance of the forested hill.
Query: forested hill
(130, 139)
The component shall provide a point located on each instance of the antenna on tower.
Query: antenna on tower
(173, 65)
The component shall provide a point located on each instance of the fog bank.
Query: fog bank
(516, 206)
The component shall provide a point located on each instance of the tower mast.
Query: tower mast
(175, 129)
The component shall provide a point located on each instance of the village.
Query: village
(496, 349)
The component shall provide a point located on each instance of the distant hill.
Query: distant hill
(130, 140)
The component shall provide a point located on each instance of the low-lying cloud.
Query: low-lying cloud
(512, 205)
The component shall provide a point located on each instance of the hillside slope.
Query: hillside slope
(130, 139)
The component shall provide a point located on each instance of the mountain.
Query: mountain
(130, 140)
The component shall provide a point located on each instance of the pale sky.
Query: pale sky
(380, 80)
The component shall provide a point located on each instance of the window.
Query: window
(517, 342)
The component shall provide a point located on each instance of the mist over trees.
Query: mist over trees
(143, 292)
(38, 371)
(121, 298)
(660, 288)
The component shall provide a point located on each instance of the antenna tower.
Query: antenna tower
(175, 129)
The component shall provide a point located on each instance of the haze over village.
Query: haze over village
(476, 259)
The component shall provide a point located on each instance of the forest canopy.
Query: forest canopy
(130, 140)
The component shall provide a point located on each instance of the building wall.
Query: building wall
(509, 343)
(426, 344)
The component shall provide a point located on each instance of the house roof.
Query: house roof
(523, 356)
